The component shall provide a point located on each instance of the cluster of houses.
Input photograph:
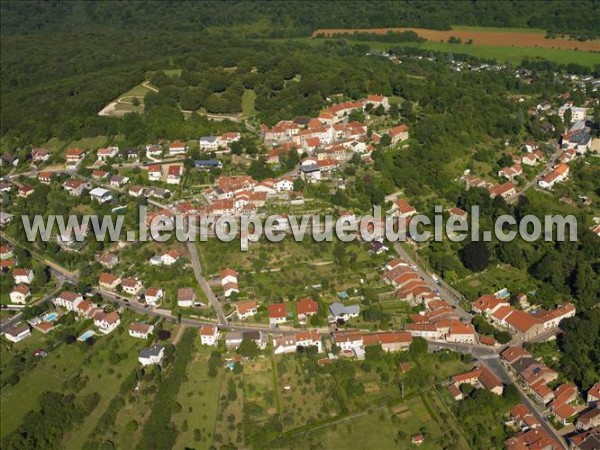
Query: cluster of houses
(352, 343)
(305, 308)
(169, 173)
(110, 282)
(530, 434)
(522, 324)
(439, 320)
(536, 376)
(242, 195)
(330, 139)
(71, 301)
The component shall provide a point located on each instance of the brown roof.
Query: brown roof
(108, 278)
(244, 307)
(511, 354)
(140, 327)
(22, 289)
(185, 294)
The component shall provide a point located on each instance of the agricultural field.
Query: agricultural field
(392, 427)
(482, 36)
(512, 45)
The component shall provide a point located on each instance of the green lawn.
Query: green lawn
(493, 279)
(199, 398)
(248, 98)
(386, 428)
(105, 378)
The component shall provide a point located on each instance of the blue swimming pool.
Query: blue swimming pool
(87, 334)
(50, 317)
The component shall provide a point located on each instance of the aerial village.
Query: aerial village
(228, 317)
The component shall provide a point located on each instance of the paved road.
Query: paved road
(491, 359)
(193, 251)
(531, 183)
(506, 377)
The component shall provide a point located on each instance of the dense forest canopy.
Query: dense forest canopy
(296, 17)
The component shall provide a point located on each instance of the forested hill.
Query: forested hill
(287, 18)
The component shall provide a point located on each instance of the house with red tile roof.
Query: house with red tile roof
(153, 295)
(557, 175)
(461, 333)
(20, 294)
(140, 330)
(488, 304)
(109, 281)
(305, 308)
(402, 208)
(480, 377)
(277, 313)
(107, 322)
(398, 134)
(209, 335)
(246, 309)
(23, 276)
(593, 394)
(505, 190)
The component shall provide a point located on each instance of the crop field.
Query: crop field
(510, 45)
(483, 36)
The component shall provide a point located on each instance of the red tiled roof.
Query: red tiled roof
(244, 307)
(277, 311)
(307, 306)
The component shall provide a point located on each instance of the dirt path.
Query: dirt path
(480, 37)
(179, 334)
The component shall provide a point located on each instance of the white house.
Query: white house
(558, 174)
(577, 113)
(209, 335)
(174, 174)
(153, 296)
(186, 297)
(209, 143)
(106, 153)
(140, 330)
(277, 313)
(20, 294)
(131, 285)
(17, 333)
(338, 311)
(107, 322)
(177, 148)
(246, 309)
(154, 172)
(284, 184)
(152, 151)
(23, 276)
(151, 355)
(68, 300)
(350, 340)
(75, 186)
(101, 195)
